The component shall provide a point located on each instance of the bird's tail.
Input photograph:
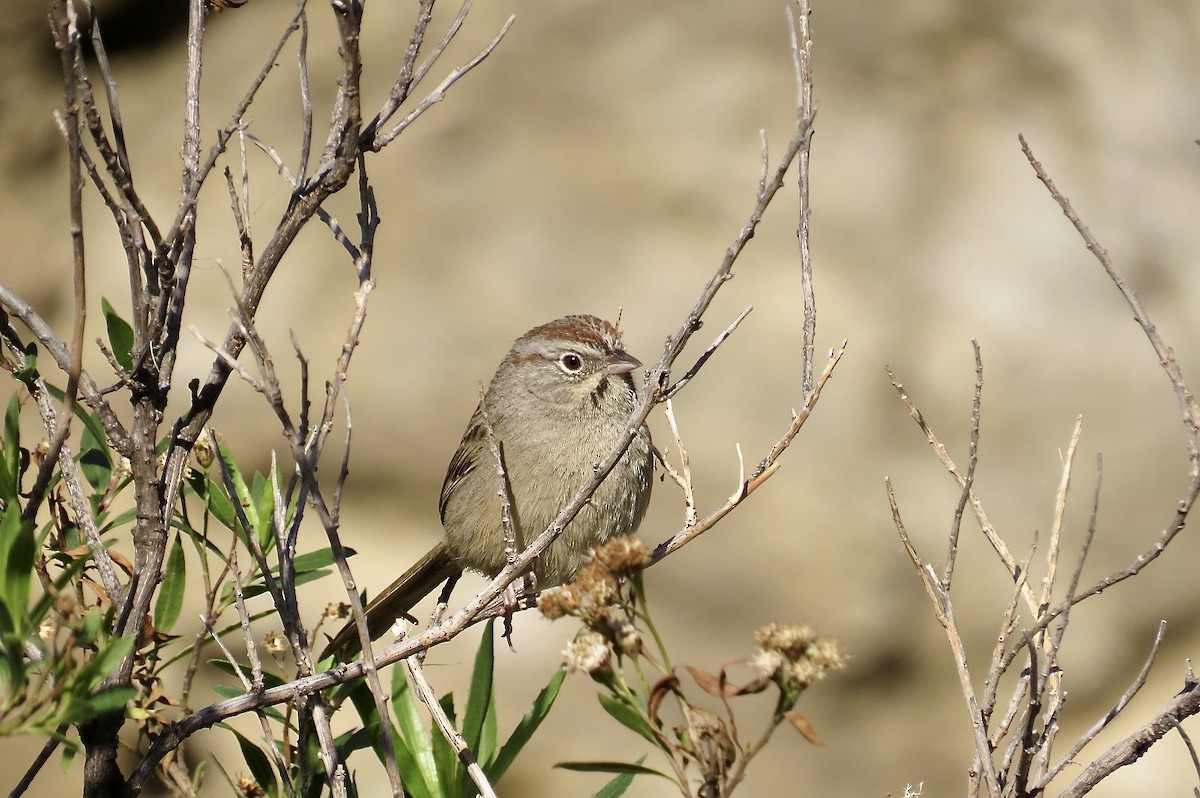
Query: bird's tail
(400, 596)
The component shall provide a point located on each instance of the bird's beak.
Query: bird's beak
(620, 362)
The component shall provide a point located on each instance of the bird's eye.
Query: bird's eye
(570, 362)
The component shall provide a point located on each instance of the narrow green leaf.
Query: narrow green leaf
(170, 593)
(262, 511)
(19, 548)
(615, 788)
(259, 764)
(120, 335)
(94, 460)
(412, 733)
(28, 369)
(119, 521)
(452, 776)
(480, 696)
(410, 771)
(241, 492)
(10, 456)
(637, 769)
(219, 505)
(106, 660)
(112, 699)
(627, 717)
(314, 560)
(528, 725)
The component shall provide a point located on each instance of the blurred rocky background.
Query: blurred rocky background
(603, 158)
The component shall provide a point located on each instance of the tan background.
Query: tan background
(604, 158)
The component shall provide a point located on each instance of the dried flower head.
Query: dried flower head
(248, 787)
(557, 602)
(588, 652)
(274, 643)
(623, 555)
(337, 611)
(793, 656)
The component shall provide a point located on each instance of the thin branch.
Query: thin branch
(93, 397)
(802, 45)
(439, 94)
(943, 609)
(306, 108)
(989, 531)
(1100, 725)
(1166, 357)
(712, 348)
(764, 471)
(1186, 703)
(684, 476)
(972, 462)
(1060, 509)
(43, 757)
(414, 666)
(409, 75)
(68, 35)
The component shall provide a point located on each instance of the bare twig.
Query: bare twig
(1060, 509)
(1186, 703)
(802, 46)
(68, 35)
(972, 462)
(43, 757)
(993, 537)
(409, 74)
(503, 488)
(700, 361)
(1166, 357)
(437, 95)
(943, 609)
(684, 476)
(415, 668)
(764, 471)
(1138, 682)
(93, 397)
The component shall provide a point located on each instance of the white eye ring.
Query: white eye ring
(570, 362)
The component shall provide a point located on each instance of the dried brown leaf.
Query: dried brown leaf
(801, 724)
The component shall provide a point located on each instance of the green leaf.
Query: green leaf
(413, 736)
(10, 457)
(28, 369)
(94, 460)
(528, 725)
(120, 335)
(627, 716)
(637, 769)
(103, 663)
(119, 521)
(112, 699)
(240, 491)
(620, 784)
(170, 593)
(219, 505)
(452, 776)
(18, 548)
(480, 700)
(259, 764)
(270, 680)
(315, 560)
(360, 696)
(262, 511)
